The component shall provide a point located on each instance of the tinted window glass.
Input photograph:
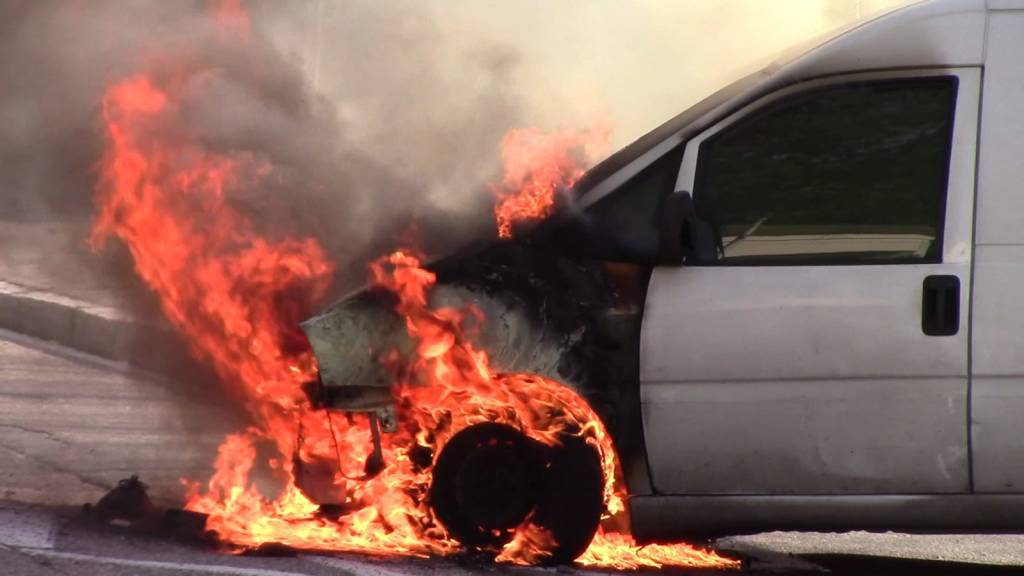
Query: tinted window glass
(848, 173)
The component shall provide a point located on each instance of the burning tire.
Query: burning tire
(572, 498)
(490, 479)
(486, 482)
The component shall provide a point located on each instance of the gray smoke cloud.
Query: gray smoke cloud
(393, 127)
(374, 114)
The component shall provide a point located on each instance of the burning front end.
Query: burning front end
(540, 316)
(548, 435)
(349, 341)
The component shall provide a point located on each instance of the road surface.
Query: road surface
(72, 425)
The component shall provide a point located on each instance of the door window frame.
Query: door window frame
(964, 122)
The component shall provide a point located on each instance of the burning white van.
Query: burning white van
(793, 305)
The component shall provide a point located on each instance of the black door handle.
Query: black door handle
(940, 305)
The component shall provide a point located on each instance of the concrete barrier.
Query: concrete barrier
(98, 330)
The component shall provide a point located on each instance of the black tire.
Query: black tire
(572, 499)
(485, 483)
(490, 477)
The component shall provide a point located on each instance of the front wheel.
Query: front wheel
(490, 478)
(572, 499)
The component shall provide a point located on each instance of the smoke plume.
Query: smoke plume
(377, 117)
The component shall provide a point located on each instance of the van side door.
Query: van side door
(824, 348)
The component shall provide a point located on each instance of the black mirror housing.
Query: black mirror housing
(684, 237)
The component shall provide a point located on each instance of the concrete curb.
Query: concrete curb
(98, 330)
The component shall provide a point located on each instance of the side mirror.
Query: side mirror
(684, 238)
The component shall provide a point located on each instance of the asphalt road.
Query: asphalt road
(71, 426)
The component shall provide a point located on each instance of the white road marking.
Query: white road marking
(26, 528)
(180, 566)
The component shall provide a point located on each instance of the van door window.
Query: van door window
(845, 174)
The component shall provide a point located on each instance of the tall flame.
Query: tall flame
(538, 165)
(236, 297)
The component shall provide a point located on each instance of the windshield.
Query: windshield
(592, 186)
(598, 181)
(621, 222)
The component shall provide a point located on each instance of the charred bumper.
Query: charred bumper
(348, 341)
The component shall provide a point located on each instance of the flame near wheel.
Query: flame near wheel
(237, 297)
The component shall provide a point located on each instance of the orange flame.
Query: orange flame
(231, 16)
(237, 296)
(537, 166)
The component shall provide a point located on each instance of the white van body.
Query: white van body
(806, 395)
(794, 305)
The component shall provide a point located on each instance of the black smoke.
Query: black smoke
(374, 123)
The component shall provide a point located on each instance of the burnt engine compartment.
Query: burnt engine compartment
(540, 309)
(547, 311)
